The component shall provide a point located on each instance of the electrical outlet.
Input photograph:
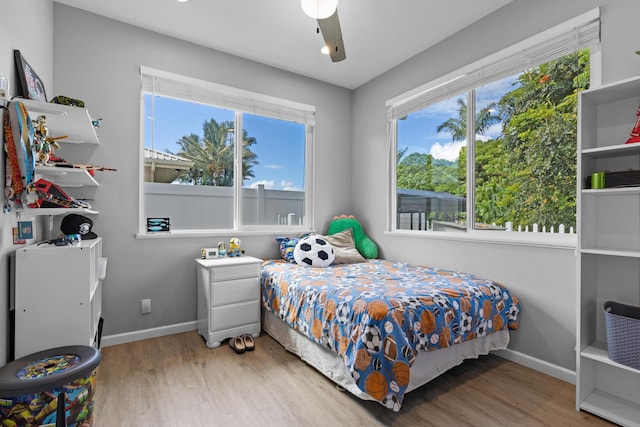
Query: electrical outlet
(145, 306)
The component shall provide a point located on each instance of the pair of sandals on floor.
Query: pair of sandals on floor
(242, 343)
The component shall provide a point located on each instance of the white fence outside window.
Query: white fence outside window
(418, 221)
(192, 207)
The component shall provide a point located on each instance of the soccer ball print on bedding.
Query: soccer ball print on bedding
(372, 339)
(314, 251)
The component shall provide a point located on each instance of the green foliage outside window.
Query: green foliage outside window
(527, 174)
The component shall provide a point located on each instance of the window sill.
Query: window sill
(545, 240)
(181, 234)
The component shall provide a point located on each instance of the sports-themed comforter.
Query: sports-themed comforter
(379, 314)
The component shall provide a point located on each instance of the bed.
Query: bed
(381, 328)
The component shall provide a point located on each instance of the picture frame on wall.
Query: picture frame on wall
(29, 84)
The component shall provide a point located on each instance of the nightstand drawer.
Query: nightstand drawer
(231, 316)
(232, 291)
(235, 271)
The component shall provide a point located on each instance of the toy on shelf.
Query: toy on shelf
(14, 183)
(222, 250)
(234, 247)
(91, 169)
(19, 141)
(46, 194)
(44, 144)
(635, 132)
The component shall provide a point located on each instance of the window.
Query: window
(431, 175)
(495, 142)
(218, 158)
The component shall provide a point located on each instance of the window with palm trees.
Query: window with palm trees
(521, 133)
(191, 160)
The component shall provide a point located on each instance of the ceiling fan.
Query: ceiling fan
(326, 13)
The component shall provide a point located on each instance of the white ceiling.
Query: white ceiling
(378, 34)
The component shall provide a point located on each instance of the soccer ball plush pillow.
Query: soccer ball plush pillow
(314, 251)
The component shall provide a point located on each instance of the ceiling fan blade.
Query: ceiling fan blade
(332, 34)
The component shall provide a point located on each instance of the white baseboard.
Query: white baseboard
(556, 371)
(144, 334)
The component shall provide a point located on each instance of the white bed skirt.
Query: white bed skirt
(427, 366)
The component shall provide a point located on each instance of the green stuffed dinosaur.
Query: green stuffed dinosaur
(364, 244)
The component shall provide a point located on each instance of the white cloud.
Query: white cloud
(271, 185)
(288, 186)
(272, 166)
(448, 151)
(267, 184)
(493, 132)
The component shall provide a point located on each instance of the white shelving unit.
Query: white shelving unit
(77, 125)
(608, 249)
(58, 296)
(67, 177)
(75, 122)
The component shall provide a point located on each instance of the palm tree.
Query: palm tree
(213, 155)
(457, 127)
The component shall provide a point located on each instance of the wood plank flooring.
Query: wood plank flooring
(177, 381)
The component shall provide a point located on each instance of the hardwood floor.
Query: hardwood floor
(177, 381)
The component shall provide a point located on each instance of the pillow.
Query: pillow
(344, 247)
(287, 245)
(314, 251)
(364, 244)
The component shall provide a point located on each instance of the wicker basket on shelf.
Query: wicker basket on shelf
(622, 323)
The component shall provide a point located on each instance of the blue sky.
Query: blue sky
(418, 131)
(280, 144)
(279, 148)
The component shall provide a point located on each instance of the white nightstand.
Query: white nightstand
(228, 298)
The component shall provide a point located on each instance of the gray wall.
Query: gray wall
(34, 40)
(97, 60)
(543, 278)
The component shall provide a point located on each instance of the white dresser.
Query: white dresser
(228, 298)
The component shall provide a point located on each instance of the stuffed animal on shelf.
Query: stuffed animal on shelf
(234, 247)
(364, 244)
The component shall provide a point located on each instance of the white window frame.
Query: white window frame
(575, 34)
(164, 83)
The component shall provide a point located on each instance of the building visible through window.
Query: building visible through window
(213, 167)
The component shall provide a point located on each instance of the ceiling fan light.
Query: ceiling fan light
(325, 50)
(319, 9)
